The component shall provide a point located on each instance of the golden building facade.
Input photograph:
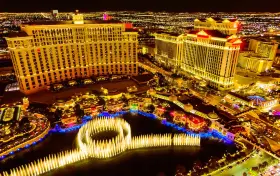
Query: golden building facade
(78, 19)
(228, 27)
(212, 58)
(167, 49)
(277, 60)
(260, 56)
(253, 62)
(263, 49)
(55, 53)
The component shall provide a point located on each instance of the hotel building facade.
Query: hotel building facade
(207, 54)
(259, 57)
(54, 53)
(168, 47)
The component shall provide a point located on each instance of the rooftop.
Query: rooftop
(250, 54)
(239, 96)
(17, 34)
(131, 30)
(169, 33)
(40, 22)
(265, 40)
(214, 33)
(217, 19)
(10, 114)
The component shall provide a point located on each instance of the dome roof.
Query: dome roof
(152, 92)
(213, 115)
(188, 107)
(172, 98)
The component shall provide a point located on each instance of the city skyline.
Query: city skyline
(144, 5)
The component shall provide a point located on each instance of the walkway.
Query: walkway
(181, 105)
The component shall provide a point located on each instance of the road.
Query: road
(150, 66)
(267, 125)
(239, 169)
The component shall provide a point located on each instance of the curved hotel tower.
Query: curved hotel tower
(54, 53)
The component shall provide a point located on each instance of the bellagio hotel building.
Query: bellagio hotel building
(208, 54)
(54, 53)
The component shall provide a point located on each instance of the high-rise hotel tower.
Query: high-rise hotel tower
(54, 53)
(208, 54)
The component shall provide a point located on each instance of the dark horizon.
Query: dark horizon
(141, 5)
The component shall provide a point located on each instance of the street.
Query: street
(239, 169)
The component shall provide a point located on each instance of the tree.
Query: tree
(167, 116)
(151, 108)
(93, 78)
(197, 165)
(265, 164)
(180, 170)
(96, 92)
(101, 102)
(24, 121)
(15, 125)
(174, 75)
(124, 99)
(57, 114)
(79, 112)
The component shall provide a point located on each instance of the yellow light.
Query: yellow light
(88, 148)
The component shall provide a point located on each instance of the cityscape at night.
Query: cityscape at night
(140, 88)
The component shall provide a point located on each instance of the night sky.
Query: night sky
(141, 5)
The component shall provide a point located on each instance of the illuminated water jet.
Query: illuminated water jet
(90, 148)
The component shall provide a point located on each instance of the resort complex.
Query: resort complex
(139, 93)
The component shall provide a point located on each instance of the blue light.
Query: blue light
(107, 114)
(26, 146)
(58, 129)
(87, 118)
(208, 134)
